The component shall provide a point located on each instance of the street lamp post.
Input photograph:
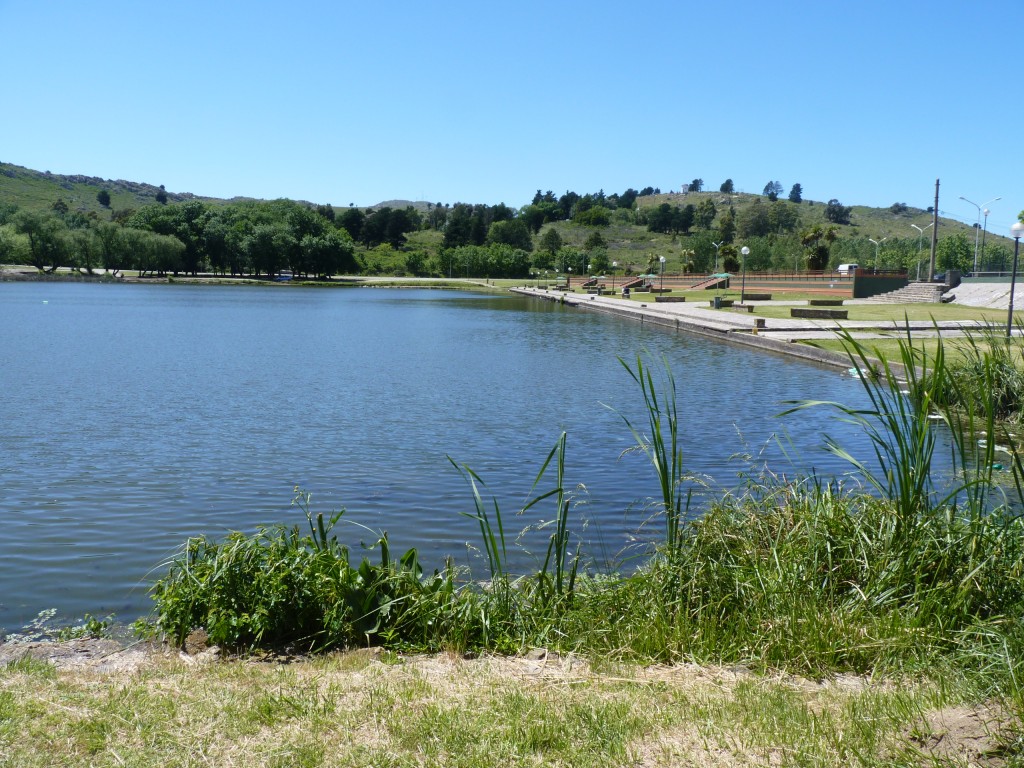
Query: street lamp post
(662, 289)
(717, 246)
(984, 231)
(877, 243)
(1016, 231)
(743, 281)
(920, 235)
(977, 228)
(615, 265)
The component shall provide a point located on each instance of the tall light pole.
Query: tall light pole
(1016, 231)
(984, 231)
(743, 282)
(978, 227)
(615, 265)
(920, 235)
(717, 246)
(877, 243)
(662, 289)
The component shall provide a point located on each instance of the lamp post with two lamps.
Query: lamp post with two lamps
(877, 243)
(920, 235)
(977, 228)
(1016, 232)
(984, 231)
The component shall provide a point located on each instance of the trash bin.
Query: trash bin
(717, 302)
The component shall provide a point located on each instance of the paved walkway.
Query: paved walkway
(778, 335)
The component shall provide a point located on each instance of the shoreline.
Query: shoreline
(713, 324)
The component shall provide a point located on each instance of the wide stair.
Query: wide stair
(710, 283)
(914, 293)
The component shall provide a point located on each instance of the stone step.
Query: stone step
(914, 293)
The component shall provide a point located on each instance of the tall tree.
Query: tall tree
(837, 213)
(46, 239)
(458, 229)
(697, 185)
(796, 194)
(817, 241)
(727, 225)
(753, 221)
(706, 213)
(727, 187)
(551, 241)
(772, 190)
(512, 232)
(955, 252)
(352, 221)
(627, 198)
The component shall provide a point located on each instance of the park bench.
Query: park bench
(818, 314)
(825, 302)
(742, 307)
(669, 298)
(756, 297)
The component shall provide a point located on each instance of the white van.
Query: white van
(847, 269)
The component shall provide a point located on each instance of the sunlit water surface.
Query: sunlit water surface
(136, 416)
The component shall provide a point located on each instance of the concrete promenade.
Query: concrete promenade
(779, 335)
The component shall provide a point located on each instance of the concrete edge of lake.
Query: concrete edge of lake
(691, 318)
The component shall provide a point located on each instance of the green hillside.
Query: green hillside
(39, 190)
(625, 241)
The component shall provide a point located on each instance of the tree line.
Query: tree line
(262, 238)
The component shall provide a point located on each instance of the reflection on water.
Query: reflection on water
(136, 416)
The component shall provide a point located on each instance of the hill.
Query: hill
(628, 240)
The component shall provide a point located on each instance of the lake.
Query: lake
(136, 416)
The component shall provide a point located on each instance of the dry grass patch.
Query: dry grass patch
(442, 710)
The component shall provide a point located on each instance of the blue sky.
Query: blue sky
(340, 102)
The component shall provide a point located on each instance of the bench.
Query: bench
(825, 302)
(669, 298)
(720, 302)
(756, 297)
(820, 314)
(661, 290)
(594, 291)
(742, 307)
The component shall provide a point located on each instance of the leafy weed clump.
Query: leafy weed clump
(281, 588)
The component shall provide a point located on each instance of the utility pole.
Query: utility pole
(935, 234)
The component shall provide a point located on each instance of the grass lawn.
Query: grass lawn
(363, 709)
(954, 349)
(897, 312)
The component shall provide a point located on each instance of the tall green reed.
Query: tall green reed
(661, 444)
(556, 579)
